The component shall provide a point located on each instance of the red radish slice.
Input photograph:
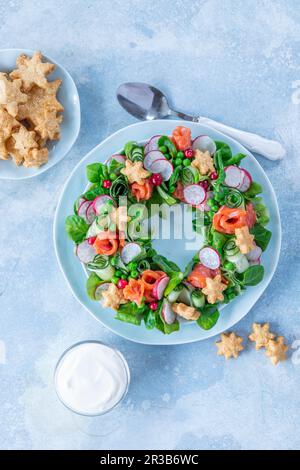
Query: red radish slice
(100, 201)
(209, 257)
(152, 144)
(254, 254)
(204, 143)
(130, 251)
(90, 213)
(163, 167)
(204, 207)
(167, 313)
(234, 176)
(194, 194)
(160, 286)
(151, 157)
(119, 158)
(100, 289)
(85, 252)
(82, 210)
(255, 262)
(246, 181)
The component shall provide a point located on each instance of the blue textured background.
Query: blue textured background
(231, 60)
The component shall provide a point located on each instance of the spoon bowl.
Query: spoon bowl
(143, 101)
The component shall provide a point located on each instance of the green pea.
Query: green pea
(230, 266)
(186, 162)
(215, 208)
(112, 176)
(211, 214)
(118, 273)
(114, 280)
(132, 266)
(123, 276)
(163, 149)
(180, 155)
(134, 274)
(177, 162)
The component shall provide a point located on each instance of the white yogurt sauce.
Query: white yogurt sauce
(91, 378)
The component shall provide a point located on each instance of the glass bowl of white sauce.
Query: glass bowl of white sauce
(91, 378)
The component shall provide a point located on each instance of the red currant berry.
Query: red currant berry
(122, 283)
(106, 184)
(153, 305)
(189, 153)
(91, 240)
(214, 175)
(204, 184)
(156, 179)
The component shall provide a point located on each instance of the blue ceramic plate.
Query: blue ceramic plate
(68, 96)
(76, 277)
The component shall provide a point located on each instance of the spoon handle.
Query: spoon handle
(267, 148)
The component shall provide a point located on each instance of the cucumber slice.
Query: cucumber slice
(105, 274)
(198, 299)
(130, 252)
(230, 248)
(240, 261)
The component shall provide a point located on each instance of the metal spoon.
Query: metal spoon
(144, 101)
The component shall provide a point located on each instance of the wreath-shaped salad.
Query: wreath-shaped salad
(126, 274)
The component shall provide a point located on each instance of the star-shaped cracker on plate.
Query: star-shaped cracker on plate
(204, 162)
(214, 288)
(36, 158)
(38, 101)
(7, 124)
(276, 350)
(230, 345)
(11, 95)
(185, 311)
(32, 71)
(261, 335)
(48, 125)
(24, 140)
(244, 239)
(113, 297)
(135, 172)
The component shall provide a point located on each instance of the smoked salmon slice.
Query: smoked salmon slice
(106, 243)
(226, 220)
(199, 274)
(134, 291)
(142, 192)
(181, 137)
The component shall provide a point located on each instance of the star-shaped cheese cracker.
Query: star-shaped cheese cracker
(7, 124)
(24, 140)
(11, 95)
(39, 100)
(213, 289)
(32, 71)
(113, 297)
(230, 345)
(48, 125)
(36, 157)
(204, 162)
(184, 311)
(135, 172)
(244, 239)
(261, 335)
(276, 350)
